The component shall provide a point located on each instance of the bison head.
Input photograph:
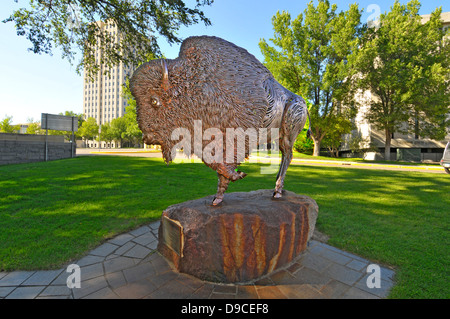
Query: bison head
(154, 103)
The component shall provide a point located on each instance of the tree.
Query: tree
(118, 129)
(405, 65)
(34, 127)
(6, 127)
(429, 95)
(333, 138)
(71, 26)
(89, 129)
(359, 145)
(303, 144)
(106, 133)
(312, 60)
(132, 133)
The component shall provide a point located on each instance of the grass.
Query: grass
(54, 212)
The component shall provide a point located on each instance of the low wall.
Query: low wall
(27, 148)
(431, 157)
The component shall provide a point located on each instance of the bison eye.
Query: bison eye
(155, 102)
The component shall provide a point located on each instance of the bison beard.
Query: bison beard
(223, 86)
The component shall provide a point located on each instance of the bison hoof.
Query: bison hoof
(242, 174)
(217, 201)
(237, 175)
(276, 195)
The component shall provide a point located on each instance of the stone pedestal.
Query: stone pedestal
(246, 237)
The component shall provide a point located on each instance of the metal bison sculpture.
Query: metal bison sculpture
(221, 86)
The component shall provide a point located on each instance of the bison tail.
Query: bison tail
(308, 133)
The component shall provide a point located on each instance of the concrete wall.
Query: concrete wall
(27, 148)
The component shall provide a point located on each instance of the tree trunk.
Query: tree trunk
(336, 152)
(317, 142)
(387, 148)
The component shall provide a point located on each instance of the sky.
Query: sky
(32, 84)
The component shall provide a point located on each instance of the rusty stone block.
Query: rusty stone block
(246, 237)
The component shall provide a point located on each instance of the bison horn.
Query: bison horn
(165, 79)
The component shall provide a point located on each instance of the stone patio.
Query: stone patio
(128, 266)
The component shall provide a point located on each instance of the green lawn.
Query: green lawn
(54, 212)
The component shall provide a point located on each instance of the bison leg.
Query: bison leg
(226, 174)
(221, 189)
(294, 119)
(286, 158)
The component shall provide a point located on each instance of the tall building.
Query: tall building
(102, 97)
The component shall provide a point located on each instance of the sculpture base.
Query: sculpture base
(247, 236)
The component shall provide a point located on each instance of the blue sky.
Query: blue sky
(32, 84)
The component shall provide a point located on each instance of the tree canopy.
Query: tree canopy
(89, 129)
(132, 133)
(71, 26)
(404, 63)
(6, 125)
(310, 56)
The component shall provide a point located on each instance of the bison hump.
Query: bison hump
(229, 76)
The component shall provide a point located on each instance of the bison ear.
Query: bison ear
(165, 78)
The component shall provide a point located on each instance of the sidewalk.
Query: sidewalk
(128, 266)
(367, 165)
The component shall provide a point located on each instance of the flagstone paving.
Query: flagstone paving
(129, 266)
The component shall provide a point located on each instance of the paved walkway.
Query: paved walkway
(128, 266)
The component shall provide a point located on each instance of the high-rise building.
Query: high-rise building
(102, 96)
